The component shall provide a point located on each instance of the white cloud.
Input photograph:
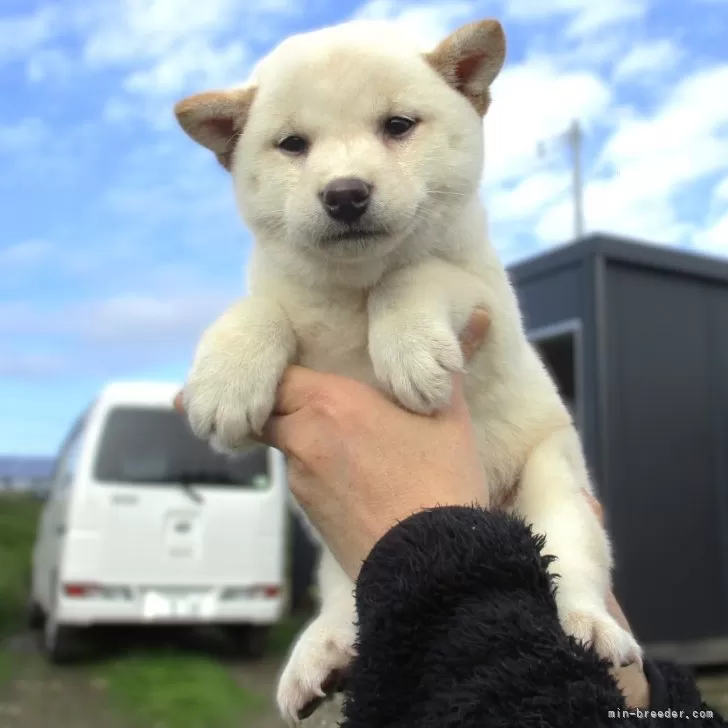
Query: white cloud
(194, 63)
(528, 196)
(167, 48)
(170, 45)
(20, 35)
(427, 23)
(162, 48)
(107, 337)
(695, 110)
(715, 237)
(720, 193)
(25, 255)
(141, 325)
(621, 205)
(48, 64)
(648, 59)
(651, 160)
(129, 31)
(20, 136)
(583, 17)
(533, 102)
(29, 365)
(136, 319)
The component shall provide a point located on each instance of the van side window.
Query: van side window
(68, 458)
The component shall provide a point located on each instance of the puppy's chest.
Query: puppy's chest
(333, 338)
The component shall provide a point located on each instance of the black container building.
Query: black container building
(636, 335)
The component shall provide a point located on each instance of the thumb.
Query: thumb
(475, 333)
(471, 339)
(458, 407)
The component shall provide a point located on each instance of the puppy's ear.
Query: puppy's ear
(215, 119)
(470, 59)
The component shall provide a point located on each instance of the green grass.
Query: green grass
(18, 519)
(6, 667)
(170, 690)
(176, 690)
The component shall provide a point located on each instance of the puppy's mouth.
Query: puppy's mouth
(352, 235)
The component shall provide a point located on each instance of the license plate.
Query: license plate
(164, 606)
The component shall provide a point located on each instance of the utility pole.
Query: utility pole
(575, 138)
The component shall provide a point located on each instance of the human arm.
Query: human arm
(458, 627)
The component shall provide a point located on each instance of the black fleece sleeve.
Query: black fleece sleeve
(458, 627)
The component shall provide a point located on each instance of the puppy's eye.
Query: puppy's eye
(398, 126)
(293, 145)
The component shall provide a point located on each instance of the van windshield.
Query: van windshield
(156, 446)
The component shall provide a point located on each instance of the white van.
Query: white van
(146, 525)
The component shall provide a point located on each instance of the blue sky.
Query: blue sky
(120, 240)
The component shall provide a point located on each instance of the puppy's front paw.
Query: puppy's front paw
(230, 391)
(415, 361)
(317, 664)
(598, 628)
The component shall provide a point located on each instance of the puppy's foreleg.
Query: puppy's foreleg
(550, 498)
(325, 647)
(415, 317)
(231, 388)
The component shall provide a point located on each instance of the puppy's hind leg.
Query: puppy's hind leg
(323, 651)
(550, 499)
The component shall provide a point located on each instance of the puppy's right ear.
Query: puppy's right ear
(215, 119)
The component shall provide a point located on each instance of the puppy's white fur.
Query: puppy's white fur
(388, 310)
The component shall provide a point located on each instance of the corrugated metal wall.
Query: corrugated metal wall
(667, 377)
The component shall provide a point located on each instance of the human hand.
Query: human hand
(630, 679)
(358, 463)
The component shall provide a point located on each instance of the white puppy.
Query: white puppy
(357, 161)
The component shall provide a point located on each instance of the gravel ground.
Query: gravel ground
(38, 695)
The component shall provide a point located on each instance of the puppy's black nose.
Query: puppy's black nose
(346, 199)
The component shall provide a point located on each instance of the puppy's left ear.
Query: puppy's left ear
(470, 59)
(216, 119)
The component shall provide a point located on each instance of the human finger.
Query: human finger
(594, 504)
(293, 435)
(298, 386)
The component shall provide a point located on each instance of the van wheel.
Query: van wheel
(248, 640)
(34, 615)
(64, 644)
